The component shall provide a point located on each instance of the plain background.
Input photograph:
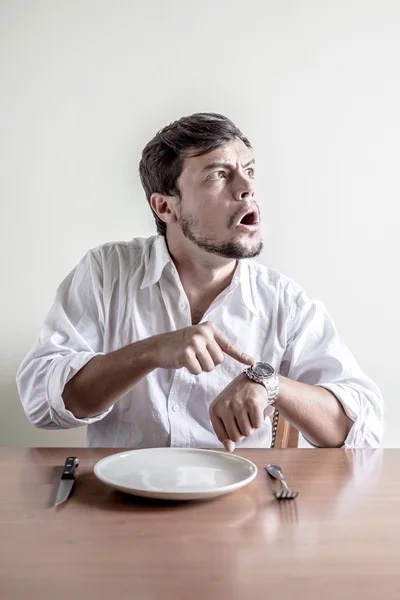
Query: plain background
(313, 84)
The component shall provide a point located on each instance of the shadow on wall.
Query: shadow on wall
(15, 429)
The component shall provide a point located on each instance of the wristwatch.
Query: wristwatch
(263, 373)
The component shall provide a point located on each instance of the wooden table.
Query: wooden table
(339, 539)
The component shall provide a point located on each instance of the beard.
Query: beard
(229, 249)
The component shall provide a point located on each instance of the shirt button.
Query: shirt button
(175, 407)
(183, 306)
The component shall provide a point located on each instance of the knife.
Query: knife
(67, 479)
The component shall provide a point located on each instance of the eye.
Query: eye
(217, 175)
(250, 172)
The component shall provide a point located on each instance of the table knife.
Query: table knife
(67, 479)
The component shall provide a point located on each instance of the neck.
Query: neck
(203, 275)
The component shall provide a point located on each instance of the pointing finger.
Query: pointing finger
(229, 348)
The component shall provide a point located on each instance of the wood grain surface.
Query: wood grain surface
(339, 539)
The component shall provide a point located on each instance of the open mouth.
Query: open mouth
(250, 218)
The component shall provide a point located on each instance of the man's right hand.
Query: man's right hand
(197, 348)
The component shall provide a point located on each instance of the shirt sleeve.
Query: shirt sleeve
(315, 355)
(71, 335)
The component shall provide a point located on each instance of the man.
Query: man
(179, 340)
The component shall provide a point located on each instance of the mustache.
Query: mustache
(239, 211)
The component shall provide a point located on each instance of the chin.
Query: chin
(237, 250)
(246, 247)
(241, 245)
(252, 250)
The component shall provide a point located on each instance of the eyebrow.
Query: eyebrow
(225, 165)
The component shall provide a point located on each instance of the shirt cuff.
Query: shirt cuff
(61, 371)
(350, 401)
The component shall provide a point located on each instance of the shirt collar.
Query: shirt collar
(160, 257)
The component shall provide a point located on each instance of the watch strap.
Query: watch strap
(271, 384)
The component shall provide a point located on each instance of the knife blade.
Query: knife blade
(67, 479)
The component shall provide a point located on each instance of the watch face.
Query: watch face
(263, 370)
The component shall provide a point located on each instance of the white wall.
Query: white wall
(315, 86)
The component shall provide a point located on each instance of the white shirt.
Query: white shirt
(124, 292)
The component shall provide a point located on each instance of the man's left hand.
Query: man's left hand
(238, 410)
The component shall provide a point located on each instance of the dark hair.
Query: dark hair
(162, 158)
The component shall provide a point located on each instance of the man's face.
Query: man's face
(218, 211)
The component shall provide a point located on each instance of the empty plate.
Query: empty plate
(175, 473)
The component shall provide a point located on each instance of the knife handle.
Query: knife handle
(69, 468)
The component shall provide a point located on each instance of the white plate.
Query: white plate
(175, 473)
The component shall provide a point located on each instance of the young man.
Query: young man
(179, 340)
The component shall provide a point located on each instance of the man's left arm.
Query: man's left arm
(322, 390)
(314, 411)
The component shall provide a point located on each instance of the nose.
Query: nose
(244, 188)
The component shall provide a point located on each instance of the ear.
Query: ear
(164, 207)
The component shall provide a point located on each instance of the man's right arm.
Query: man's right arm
(70, 337)
(66, 380)
(106, 378)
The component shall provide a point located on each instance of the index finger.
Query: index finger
(229, 348)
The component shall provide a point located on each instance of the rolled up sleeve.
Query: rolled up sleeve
(70, 337)
(316, 355)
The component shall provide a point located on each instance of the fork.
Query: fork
(284, 492)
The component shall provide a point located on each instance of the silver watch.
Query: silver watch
(263, 373)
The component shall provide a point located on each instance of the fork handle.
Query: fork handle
(285, 486)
